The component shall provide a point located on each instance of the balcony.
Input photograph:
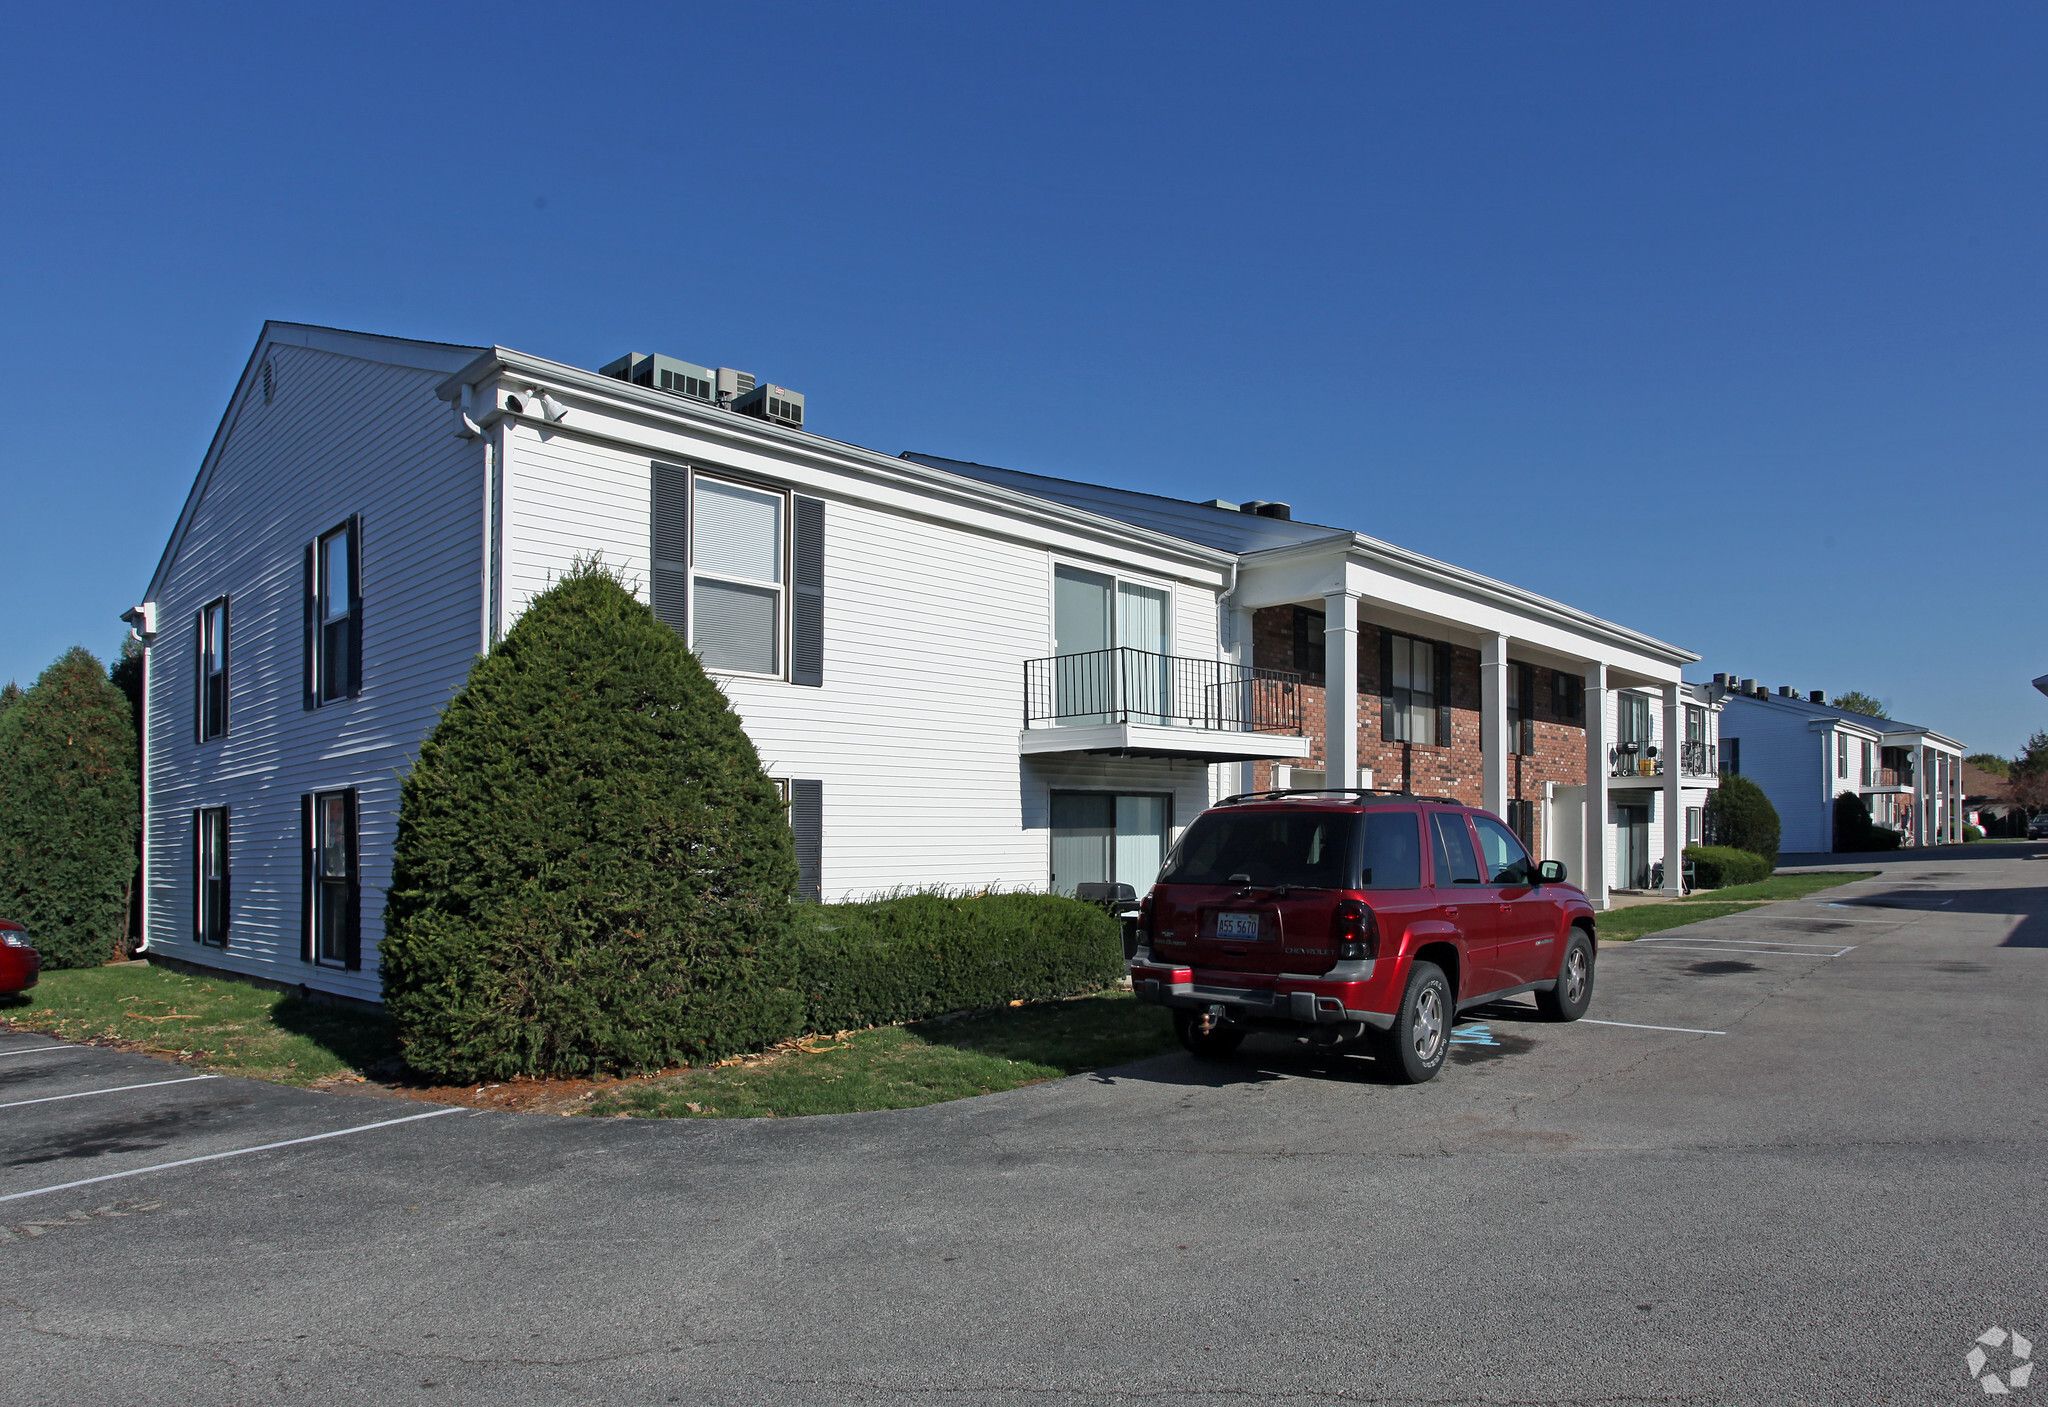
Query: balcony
(1636, 760)
(1699, 758)
(1134, 703)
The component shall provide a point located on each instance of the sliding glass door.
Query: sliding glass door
(1107, 837)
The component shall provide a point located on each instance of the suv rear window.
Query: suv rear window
(1305, 849)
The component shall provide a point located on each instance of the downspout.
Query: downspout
(468, 429)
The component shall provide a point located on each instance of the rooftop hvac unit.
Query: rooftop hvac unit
(664, 374)
(733, 384)
(776, 403)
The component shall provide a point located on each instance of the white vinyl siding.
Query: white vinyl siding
(341, 435)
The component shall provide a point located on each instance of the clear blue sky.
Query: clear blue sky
(1724, 322)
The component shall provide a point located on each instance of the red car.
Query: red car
(1372, 917)
(20, 964)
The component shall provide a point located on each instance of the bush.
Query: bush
(68, 812)
(1722, 866)
(1971, 833)
(592, 872)
(1739, 816)
(1856, 833)
(902, 959)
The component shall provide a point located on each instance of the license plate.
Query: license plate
(1237, 925)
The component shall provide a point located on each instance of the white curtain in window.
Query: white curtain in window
(1140, 840)
(1414, 687)
(1141, 625)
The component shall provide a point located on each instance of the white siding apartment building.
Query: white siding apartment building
(1804, 754)
(960, 676)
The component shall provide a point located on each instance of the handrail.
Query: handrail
(1126, 685)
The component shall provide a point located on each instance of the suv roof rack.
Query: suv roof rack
(1284, 792)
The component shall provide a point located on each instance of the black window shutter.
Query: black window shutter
(306, 877)
(807, 820)
(227, 874)
(198, 875)
(1386, 687)
(1443, 695)
(227, 635)
(354, 938)
(199, 672)
(671, 548)
(807, 607)
(355, 605)
(312, 699)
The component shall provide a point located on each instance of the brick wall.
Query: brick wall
(1448, 769)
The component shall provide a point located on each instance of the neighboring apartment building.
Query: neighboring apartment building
(1804, 754)
(959, 675)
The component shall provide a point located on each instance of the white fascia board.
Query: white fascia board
(1380, 572)
(364, 346)
(659, 424)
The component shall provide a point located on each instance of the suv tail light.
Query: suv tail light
(1354, 931)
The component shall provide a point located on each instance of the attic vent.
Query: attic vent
(269, 382)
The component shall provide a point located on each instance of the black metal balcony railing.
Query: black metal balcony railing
(1636, 759)
(1699, 758)
(1124, 685)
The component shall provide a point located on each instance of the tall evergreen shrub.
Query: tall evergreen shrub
(1741, 816)
(68, 812)
(592, 872)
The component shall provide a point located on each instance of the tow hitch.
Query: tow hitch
(1210, 1020)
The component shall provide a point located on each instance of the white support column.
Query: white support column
(1494, 745)
(1593, 878)
(1340, 689)
(1923, 807)
(1672, 755)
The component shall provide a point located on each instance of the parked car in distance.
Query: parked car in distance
(2037, 829)
(1356, 916)
(20, 964)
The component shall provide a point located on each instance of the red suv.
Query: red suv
(20, 964)
(1356, 916)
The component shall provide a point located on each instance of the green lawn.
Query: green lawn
(212, 1021)
(903, 1067)
(1620, 925)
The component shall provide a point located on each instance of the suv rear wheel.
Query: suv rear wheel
(1210, 1045)
(1568, 1000)
(1415, 1046)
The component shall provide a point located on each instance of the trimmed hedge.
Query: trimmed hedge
(592, 872)
(1741, 817)
(1972, 832)
(920, 955)
(1856, 833)
(1721, 866)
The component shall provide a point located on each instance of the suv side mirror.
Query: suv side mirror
(1550, 872)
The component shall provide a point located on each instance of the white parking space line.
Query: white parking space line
(111, 1089)
(230, 1153)
(34, 1048)
(1702, 946)
(1632, 1025)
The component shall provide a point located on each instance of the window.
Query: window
(1568, 696)
(1310, 849)
(210, 871)
(1521, 709)
(1504, 859)
(1409, 693)
(334, 615)
(1695, 724)
(333, 884)
(1393, 851)
(1731, 756)
(737, 577)
(1456, 862)
(213, 670)
(1311, 657)
(1632, 722)
(1695, 825)
(1522, 821)
(1092, 613)
(1841, 754)
(1869, 767)
(1098, 837)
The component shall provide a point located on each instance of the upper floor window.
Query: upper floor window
(334, 615)
(1695, 724)
(1521, 708)
(738, 558)
(1632, 721)
(1869, 766)
(1841, 754)
(213, 670)
(1411, 689)
(1568, 695)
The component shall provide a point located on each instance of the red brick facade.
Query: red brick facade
(1443, 770)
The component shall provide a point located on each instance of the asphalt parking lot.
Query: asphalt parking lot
(1794, 1156)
